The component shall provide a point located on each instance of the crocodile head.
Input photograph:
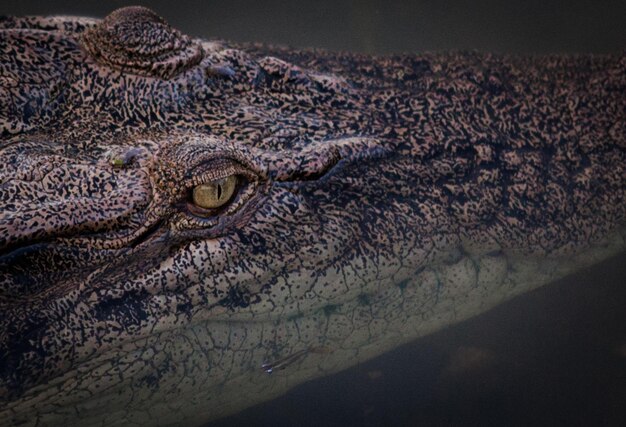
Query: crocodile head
(182, 216)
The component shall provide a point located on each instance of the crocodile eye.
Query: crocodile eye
(214, 194)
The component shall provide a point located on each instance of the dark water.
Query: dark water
(556, 356)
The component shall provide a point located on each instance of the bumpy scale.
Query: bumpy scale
(373, 200)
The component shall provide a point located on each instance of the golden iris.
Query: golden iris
(216, 193)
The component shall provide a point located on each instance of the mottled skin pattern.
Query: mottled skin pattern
(379, 199)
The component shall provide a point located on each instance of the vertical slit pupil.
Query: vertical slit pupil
(219, 191)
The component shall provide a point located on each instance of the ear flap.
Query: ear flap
(318, 158)
(136, 40)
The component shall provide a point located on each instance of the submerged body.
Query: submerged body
(374, 200)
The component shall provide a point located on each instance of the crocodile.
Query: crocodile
(190, 226)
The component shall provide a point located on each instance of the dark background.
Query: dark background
(556, 356)
(375, 26)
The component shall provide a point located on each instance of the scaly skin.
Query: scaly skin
(379, 199)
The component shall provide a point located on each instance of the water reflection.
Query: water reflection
(554, 356)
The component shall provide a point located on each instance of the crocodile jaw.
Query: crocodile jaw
(213, 367)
